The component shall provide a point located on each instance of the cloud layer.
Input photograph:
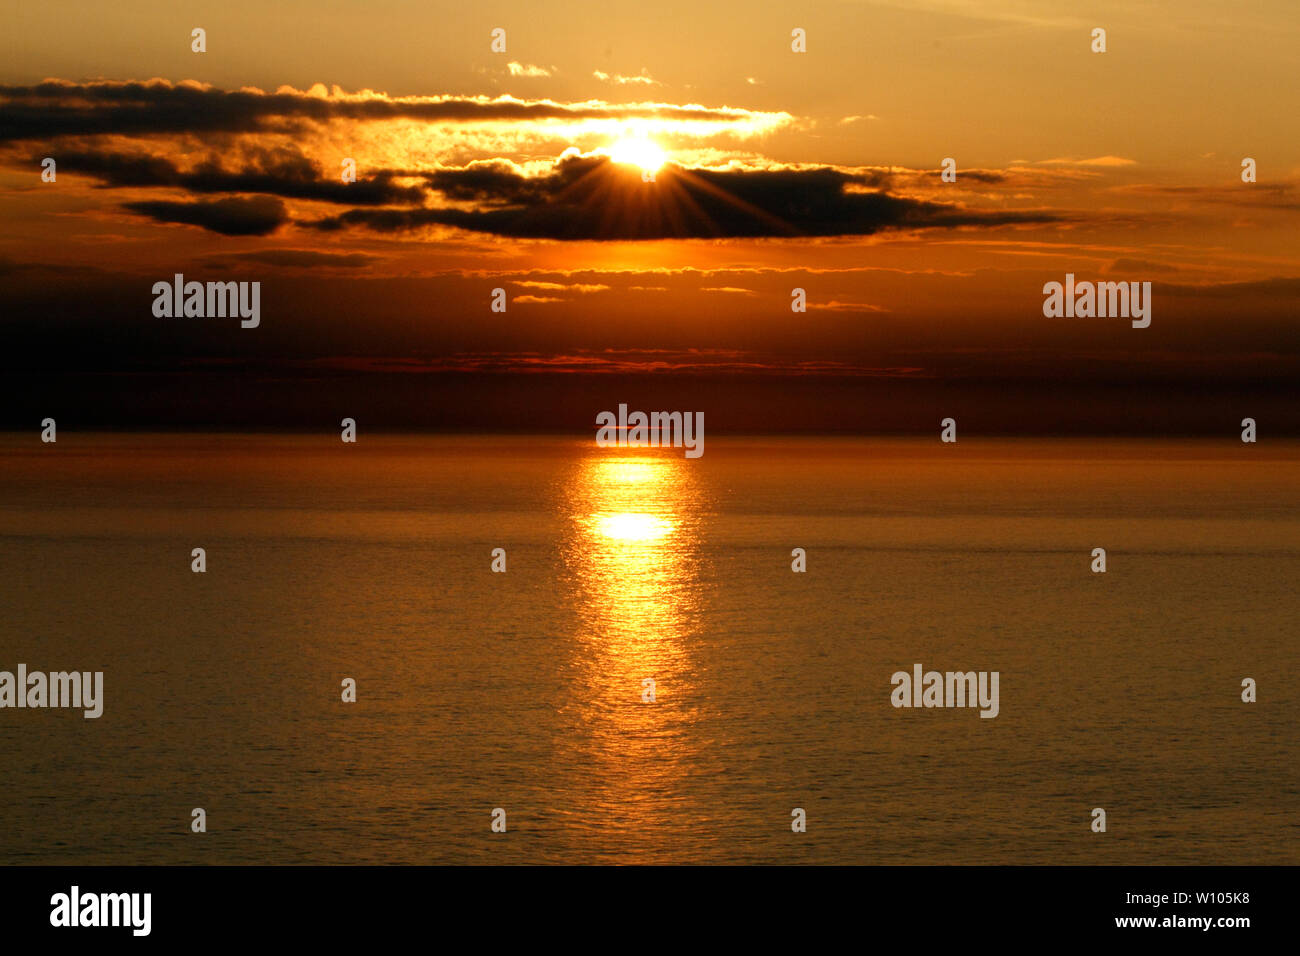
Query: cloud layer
(196, 142)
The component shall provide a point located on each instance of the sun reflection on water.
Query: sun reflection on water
(632, 552)
(629, 526)
(633, 560)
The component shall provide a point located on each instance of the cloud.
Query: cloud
(1278, 196)
(282, 172)
(10, 267)
(1282, 289)
(582, 288)
(1128, 265)
(987, 176)
(836, 306)
(591, 198)
(521, 69)
(616, 361)
(55, 108)
(643, 78)
(298, 258)
(237, 216)
(1110, 161)
(207, 142)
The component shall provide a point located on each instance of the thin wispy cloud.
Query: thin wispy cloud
(640, 79)
(1108, 161)
(526, 69)
(57, 108)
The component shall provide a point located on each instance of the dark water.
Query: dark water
(523, 690)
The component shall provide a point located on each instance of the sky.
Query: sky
(525, 170)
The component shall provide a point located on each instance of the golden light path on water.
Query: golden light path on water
(633, 559)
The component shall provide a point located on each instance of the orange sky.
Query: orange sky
(820, 170)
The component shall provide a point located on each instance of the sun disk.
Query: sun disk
(638, 152)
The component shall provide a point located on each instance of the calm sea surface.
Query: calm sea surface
(524, 690)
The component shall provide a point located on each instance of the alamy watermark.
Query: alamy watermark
(180, 299)
(1128, 300)
(75, 908)
(76, 689)
(655, 430)
(951, 689)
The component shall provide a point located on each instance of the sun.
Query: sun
(638, 152)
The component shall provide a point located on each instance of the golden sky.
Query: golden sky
(818, 170)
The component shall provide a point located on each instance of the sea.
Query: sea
(608, 654)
